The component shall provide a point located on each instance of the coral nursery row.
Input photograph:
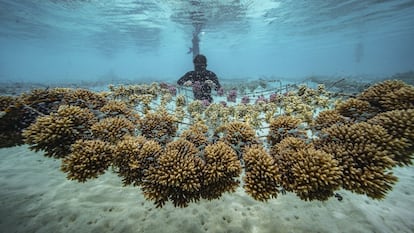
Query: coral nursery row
(311, 142)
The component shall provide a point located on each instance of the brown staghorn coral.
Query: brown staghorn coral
(282, 153)
(328, 118)
(21, 111)
(402, 98)
(56, 132)
(159, 126)
(400, 125)
(197, 134)
(122, 91)
(357, 110)
(133, 156)
(260, 180)
(180, 101)
(45, 100)
(6, 102)
(288, 145)
(315, 174)
(14, 118)
(220, 171)
(238, 135)
(88, 159)
(18, 112)
(195, 108)
(381, 95)
(284, 126)
(176, 176)
(85, 99)
(119, 108)
(361, 150)
(112, 129)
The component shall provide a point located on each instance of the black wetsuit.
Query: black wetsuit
(198, 77)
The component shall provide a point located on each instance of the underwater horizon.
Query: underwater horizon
(113, 41)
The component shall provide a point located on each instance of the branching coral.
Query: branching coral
(361, 150)
(355, 145)
(85, 99)
(122, 91)
(288, 145)
(165, 99)
(159, 126)
(88, 159)
(179, 113)
(177, 176)
(14, 118)
(197, 134)
(112, 129)
(195, 108)
(56, 132)
(387, 95)
(119, 108)
(144, 99)
(282, 127)
(221, 170)
(46, 100)
(283, 153)
(402, 98)
(322, 101)
(133, 156)
(6, 102)
(216, 114)
(400, 125)
(180, 101)
(300, 107)
(21, 111)
(238, 135)
(260, 180)
(250, 114)
(242, 110)
(312, 174)
(270, 111)
(321, 90)
(357, 110)
(315, 174)
(328, 118)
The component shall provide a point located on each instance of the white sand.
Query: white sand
(36, 197)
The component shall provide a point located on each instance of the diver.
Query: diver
(200, 79)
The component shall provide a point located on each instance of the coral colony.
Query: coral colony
(232, 95)
(310, 142)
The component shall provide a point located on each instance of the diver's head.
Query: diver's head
(200, 62)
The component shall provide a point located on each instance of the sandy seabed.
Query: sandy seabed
(36, 197)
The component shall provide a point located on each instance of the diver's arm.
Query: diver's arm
(185, 78)
(213, 77)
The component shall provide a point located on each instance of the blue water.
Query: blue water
(53, 40)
